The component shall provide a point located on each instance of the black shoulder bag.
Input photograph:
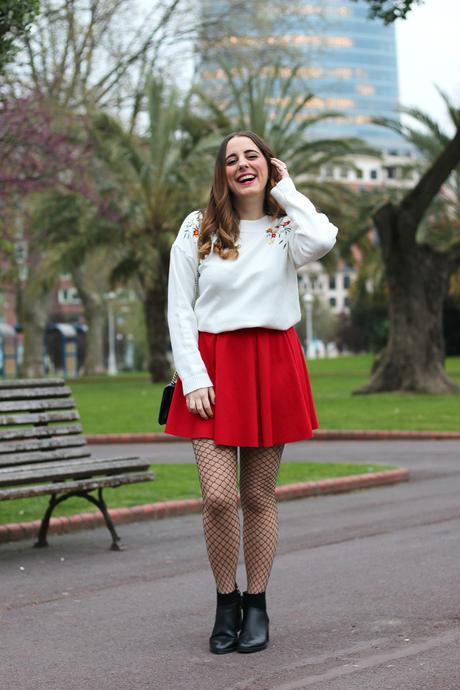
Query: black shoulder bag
(166, 399)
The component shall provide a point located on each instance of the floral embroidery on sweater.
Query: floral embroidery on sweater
(279, 232)
(192, 227)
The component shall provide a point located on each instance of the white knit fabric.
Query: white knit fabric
(259, 289)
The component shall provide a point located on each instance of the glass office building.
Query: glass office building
(345, 59)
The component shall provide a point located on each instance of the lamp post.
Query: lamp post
(308, 301)
(112, 360)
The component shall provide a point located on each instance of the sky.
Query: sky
(428, 54)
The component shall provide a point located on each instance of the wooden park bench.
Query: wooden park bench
(43, 452)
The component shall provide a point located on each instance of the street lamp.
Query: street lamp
(112, 360)
(308, 301)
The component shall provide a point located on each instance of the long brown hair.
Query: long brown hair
(220, 216)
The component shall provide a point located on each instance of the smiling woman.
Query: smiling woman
(235, 350)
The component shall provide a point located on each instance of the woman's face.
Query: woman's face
(246, 168)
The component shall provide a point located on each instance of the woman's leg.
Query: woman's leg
(258, 475)
(217, 470)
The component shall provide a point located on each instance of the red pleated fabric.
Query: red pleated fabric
(263, 393)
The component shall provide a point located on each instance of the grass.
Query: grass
(129, 403)
(334, 380)
(171, 482)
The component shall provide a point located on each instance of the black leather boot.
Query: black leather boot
(254, 633)
(224, 637)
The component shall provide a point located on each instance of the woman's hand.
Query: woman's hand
(200, 401)
(280, 167)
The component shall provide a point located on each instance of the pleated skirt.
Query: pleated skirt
(262, 387)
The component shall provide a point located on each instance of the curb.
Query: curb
(157, 511)
(320, 435)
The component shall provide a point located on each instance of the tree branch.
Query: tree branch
(416, 202)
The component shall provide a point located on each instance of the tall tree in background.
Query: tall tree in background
(40, 150)
(274, 106)
(77, 57)
(70, 224)
(160, 177)
(419, 238)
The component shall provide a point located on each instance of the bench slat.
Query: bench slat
(39, 432)
(41, 445)
(92, 468)
(32, 405)
(82, 484)
(39, 418)
(58, 455)
(30, 383)
(30, 394)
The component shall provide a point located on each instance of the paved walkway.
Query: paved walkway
(364, 594)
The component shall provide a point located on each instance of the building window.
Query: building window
(329, 172)
(68, 296)
(347, 301)
(331, 282)
(359, 174)
(391, 173)
(373, 174)
(332, 301)
(343, 172)
(346, 282)
(365, 89)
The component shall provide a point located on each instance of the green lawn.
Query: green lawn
(129, 403)
(171, 482)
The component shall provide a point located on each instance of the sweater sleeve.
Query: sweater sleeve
(313, 235)
(183, 328)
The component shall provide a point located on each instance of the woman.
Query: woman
(242, 380)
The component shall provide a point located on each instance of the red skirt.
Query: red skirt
(263, 393)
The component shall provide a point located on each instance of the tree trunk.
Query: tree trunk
(95, 316)
(94, 346)
(92, 280)
(34, 312)
(155, 299)
(418, 282)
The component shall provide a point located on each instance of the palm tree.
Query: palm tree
(161, 182)
(272, 105)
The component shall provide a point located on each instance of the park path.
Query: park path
(364, 594)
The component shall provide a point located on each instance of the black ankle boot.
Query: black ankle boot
(224, 637)
(254, 633)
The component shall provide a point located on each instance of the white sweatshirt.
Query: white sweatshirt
(259, 289)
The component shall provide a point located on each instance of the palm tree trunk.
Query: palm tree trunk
(155, 300)
(94, 347)
(95, 316)
(92, 280)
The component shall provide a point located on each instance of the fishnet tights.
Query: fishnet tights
(217, 471)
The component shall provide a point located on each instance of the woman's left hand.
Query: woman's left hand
(280, 167)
